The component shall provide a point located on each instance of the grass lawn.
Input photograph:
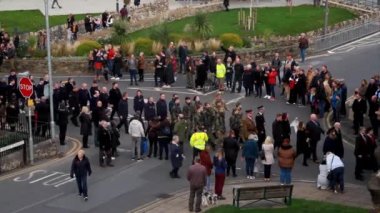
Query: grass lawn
(29, 20)
(298, 206)
(277, 20)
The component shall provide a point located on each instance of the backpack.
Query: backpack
(166, 131)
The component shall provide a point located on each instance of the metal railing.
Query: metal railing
(346, 35)
(366, 3)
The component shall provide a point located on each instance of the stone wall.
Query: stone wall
(42, 150)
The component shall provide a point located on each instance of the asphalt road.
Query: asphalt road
(131, 184)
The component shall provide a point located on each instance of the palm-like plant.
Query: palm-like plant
(202, 25)
(160, 33)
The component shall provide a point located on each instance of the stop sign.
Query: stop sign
(26, 87)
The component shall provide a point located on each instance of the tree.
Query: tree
(202, 25)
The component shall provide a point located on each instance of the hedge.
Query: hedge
(143, 45)
(86, 46)
(231, 39)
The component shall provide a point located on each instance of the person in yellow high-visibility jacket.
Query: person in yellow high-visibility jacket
(198, 141)
(220, 73)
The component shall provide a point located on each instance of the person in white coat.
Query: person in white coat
(322, 182)
(136, 130)
(336, 167)
(267, 149)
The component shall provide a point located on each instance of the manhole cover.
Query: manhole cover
(164, 195)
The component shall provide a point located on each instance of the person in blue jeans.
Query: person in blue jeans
(132, 66)
(250, 154)
(286, 157)
(81, 167)
(336, 167)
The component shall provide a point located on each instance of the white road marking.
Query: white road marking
(235, 100)
(38, 203)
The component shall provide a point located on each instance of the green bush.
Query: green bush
(247, 43)
(143, 45)
(22, 50)
(233, 39)
(38, 53)
(86, 46)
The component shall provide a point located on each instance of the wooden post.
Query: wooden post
(249, 23)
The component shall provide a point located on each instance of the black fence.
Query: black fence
(16, 129)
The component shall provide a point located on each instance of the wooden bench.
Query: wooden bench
(259, 193)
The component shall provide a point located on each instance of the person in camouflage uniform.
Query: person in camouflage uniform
(176, 110)
(235, 122)
(209, 117)
(188, 112)
(198, 117)
(181, 129)
(220, 117)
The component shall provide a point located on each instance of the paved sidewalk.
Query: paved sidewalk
(178, 203)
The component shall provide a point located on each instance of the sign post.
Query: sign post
(26, 90)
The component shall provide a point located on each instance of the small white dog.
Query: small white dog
(209, 198)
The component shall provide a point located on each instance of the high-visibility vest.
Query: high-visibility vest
(198, 140)
(220, 71)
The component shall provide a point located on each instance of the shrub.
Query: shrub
(143, 45)
(160, 33)
(127, 48)
(86, 46)
(38, 53)
(213, 44)
(233, 39)
(32, 42)
(62, 49)
(247, 43)
(120, 27)
(198, 46)
(22, 50)
(156, 47)
(202, 25)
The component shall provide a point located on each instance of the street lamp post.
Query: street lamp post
(52, 125)
(326, 17)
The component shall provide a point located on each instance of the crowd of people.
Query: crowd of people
(8, 46)
(169, 127)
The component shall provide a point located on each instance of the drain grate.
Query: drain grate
(164, 196)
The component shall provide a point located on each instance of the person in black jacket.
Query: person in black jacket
(277, 131)
(104, 96)
(248, 80)
(238, 75)
(339, 149)
(301, 87)
(361, 153)
(229, 53)
(84, 95)
(231, 149)
(123, 112)
(330, 144)
(359, 107)
(285, 126)
(176, 157)
(43, 114)
(98, 115)
(74, 105)
(81, 167)
(314, 131)
(114, 98)
(85, 126)
(150, 109)
(260, 125)
(105, 143)
(162, 107)
(63, 115)
(138, 102)
(303, 146)
(258, 77)
(373, 108)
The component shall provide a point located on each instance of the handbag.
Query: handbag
(144, 145)
(329, 175)
(262, 155)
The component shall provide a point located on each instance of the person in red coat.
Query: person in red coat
(206, 162)
(272, 82)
